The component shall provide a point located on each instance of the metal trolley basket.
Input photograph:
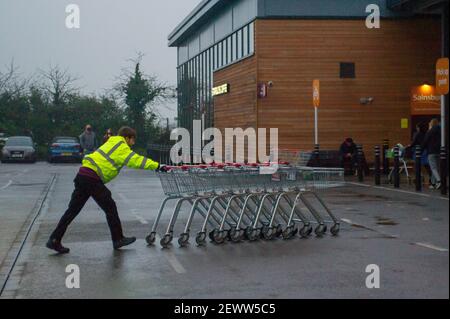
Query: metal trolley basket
(247, 202)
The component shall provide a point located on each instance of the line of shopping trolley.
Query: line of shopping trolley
(247, 202)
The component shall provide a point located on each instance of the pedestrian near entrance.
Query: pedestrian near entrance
(417, 141)
(432, 144)
(348, 154)
(88, 141)
(98, 169)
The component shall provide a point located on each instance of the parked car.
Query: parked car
(64, 149)
(19, 149)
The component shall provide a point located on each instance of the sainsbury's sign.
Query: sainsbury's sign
(425, 101)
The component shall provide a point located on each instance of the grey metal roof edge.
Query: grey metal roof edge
(199, 11)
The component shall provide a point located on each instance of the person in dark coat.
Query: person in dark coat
(417, 140)
(348, 153)
(432, 144)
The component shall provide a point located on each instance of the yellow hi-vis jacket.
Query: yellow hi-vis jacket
(108, 160)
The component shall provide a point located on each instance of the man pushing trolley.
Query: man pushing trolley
(98, 169)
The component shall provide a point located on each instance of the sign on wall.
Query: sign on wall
(262, 90)
(221, 89)
(442, 76)
(425, 100)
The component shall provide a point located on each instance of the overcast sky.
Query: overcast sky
(34, 34)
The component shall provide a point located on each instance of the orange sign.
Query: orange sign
(442, 76)
(425, 100)
(316, 93)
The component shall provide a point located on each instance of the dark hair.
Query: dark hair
(349, 140)
(127, 132)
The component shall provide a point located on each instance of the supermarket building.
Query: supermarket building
(251, 63)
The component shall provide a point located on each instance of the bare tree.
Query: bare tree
(10, 81)
(58, 84)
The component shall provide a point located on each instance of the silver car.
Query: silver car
(19, 149)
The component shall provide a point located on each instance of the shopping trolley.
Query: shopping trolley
(249, 202)
(403, 162)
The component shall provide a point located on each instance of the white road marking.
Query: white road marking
(7, 185)
(398, 190)
(430, 246)
(173, 260)
(139, 217)
(135, 213)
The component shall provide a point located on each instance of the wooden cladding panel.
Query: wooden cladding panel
(292, 53)
(389, 61)
(238, 107)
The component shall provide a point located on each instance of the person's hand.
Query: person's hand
(162, 168)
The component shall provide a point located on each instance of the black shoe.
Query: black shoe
(55, 245)
(125, 241)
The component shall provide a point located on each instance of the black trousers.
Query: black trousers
(86, 187)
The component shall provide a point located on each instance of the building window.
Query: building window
(347, 70)
(220, 54)
(245, 41)
(239, 44)
(215, 57)
(229, 54)
(251, 37)
(234, 46)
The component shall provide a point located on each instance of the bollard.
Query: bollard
(359, 161)
(377, 170)
(418, 168)
(317, 155)
(443, 171)
(396, 167)
(385, 159)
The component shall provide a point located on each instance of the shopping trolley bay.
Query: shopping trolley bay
(225, 232)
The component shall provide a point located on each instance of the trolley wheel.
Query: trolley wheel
(150, 239)
(335, 229)
(200, 239)
(253, 236)
(166, 240)
(211, 234)
(218, 236)
(241, 234)
(279, 230)
(231, 233)
(235, 236)
(305, 232)
(248, 232)
(183, 240)
(267, 232)
(288, 232)
(320, 230)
